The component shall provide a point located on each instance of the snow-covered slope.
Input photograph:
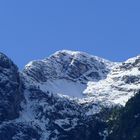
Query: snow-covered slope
(121, 84)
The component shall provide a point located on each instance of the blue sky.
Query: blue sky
(33, 29)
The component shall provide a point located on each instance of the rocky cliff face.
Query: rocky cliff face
(67, 96)
(75, 66)
(10, 89)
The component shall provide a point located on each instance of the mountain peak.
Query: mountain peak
(78, 54)
(74, 53)
(72, 65)
(70, 52)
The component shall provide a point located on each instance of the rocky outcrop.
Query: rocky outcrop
(10, 89)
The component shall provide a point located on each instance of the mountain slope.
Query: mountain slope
(121, 83)
(74, 66)
(67, 72)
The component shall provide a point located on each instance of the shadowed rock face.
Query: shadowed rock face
(10, 89)
(19, 131)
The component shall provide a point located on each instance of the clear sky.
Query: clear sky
(34, 29)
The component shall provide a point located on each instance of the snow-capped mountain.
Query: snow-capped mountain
(67, 72)
(63, 97)
(86, 77)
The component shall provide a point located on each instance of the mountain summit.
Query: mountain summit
(67, 96)
(70, 65)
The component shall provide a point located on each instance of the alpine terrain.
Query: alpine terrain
(70, 96)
